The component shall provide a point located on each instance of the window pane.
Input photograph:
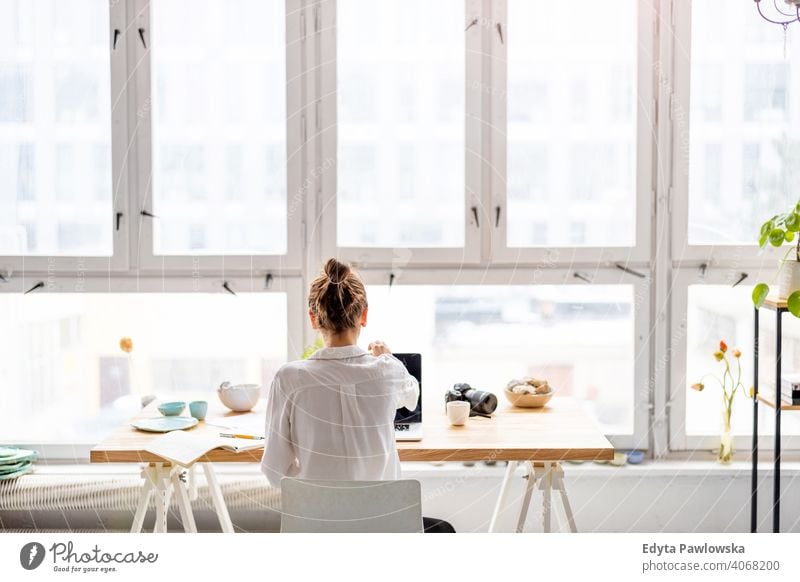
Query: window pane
(578, 337)
(55, 128)
(719, 312)
(219, 127)
(572, 123)
(66, 379)
(401, 123)
(744, 139)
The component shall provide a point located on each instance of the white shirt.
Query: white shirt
(332, 416)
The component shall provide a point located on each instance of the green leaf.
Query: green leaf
(789, 236)
(793, 222)
(767, 227)
(793, 303)
(776, 237)
(760, 293)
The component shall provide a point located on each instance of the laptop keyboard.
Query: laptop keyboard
(401, 427)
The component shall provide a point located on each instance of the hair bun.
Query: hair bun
(336, 271)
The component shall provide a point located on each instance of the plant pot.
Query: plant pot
(789, 279)
(725, 452)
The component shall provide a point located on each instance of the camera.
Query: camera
(481, 403)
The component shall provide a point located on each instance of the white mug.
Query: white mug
(458, 412)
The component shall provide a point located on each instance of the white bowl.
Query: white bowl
(240, 397)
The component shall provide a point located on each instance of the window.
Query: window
(55, 128)
(219, 127)
(743, 100)
(578, 337)
(401, 89)
(719, 312)
(74, 384)
(572, 93)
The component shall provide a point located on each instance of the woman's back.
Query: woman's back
(331, 416)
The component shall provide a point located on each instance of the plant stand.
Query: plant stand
(779, 307)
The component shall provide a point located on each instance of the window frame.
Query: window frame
(327, 127)
(678, 196)
(646, 126)
(143, 256)
(291, 286)
(118, 261)
(639, 438)
(677, 401)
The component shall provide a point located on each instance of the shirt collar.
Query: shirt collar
(338, 353)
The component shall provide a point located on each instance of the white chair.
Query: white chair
(350, 506)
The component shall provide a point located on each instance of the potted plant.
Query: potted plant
(777, 231)
(730, 382)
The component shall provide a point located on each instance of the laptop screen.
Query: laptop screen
(413, 363)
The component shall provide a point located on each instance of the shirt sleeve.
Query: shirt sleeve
(279, 458)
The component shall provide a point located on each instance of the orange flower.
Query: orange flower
(126, 345)
(737, 353)
(723, 347)
(699, 386)
(719, 356)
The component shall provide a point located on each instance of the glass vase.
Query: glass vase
(725, 453)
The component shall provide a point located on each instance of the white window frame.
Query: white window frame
(678, 439)
(640, 438)
(470, 253)
(639, 254)
(14, 266)
(680, 107)
(140, 113)
(291, 286)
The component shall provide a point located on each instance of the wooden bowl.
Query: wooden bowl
(528, 400)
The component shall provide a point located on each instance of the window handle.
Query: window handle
(268, 281)
(119, 219)
(741, 278)
(497, 216)
(141, 36)
(228, 288)
(116, 36)
(147, 214)
(630, 271)
(475, 215)
(500, 32)
(38, 285)
(582, 276)
(472, 23)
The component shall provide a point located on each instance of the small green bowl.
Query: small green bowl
(171, 408)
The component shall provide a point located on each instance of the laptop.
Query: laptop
(408, 423)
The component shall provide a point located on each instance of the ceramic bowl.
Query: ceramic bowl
(171, 408)
(528, 400)
(240, 397)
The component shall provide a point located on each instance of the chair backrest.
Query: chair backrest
(350, 506)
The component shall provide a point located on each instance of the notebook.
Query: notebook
(183, 448)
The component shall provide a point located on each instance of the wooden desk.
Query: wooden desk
(540, 438)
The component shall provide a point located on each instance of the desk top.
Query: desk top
(560, 431)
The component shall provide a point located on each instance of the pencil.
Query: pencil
(241, 436)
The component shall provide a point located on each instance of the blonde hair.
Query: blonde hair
(337, 297)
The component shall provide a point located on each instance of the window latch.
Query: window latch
(630, 271)
(500, 32)
(268, 281)
(116, 36)
(472, 23)
(141, 36)
(38, 285)
(741, 278)
(475, 215)
(391, 280)
(147, 214)
(119, 219)
(228, 288)
(496, 216)
(582, 276)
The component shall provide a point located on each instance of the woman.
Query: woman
(332, 416)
